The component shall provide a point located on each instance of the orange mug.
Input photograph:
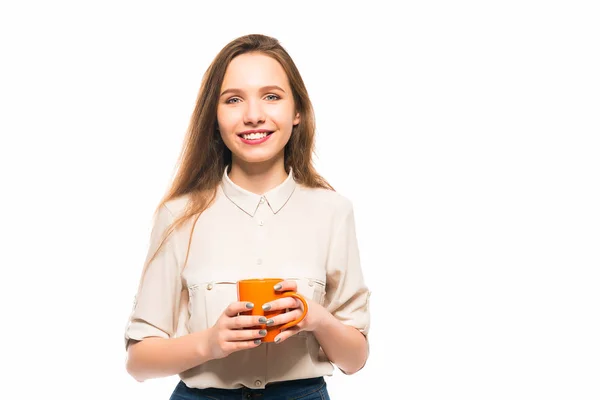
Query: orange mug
(261, 291)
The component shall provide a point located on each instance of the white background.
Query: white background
(465, 133)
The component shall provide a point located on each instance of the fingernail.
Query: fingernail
(262, 332)
(277, 287)
(262, 320)
(266, 307)
(249, 306)
(277, 339)
(257, 341)
(269, 322)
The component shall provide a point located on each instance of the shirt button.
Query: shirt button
(209, 286)
(259, 261)
(261, 223)
(257, 383)
(311, 283)
(262, 200)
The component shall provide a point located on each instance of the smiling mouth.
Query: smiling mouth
(255, 135)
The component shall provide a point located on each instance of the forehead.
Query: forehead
(254, 70)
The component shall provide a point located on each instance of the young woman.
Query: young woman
(247, 202)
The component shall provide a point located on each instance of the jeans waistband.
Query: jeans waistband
(296, 383)
(281, 388)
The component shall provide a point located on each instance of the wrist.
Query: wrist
(202, 350)
(324, 321)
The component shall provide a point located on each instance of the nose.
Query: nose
(254, 114)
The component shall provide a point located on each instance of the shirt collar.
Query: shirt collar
(249, 202)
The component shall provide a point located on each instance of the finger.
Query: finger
(282, 304)
(244, 345)
(245, 321)
(288, 333)
(245, 335)
(284, 286)
(230, 347)
(286, 317)
(238, 307)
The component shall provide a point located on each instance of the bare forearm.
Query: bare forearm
(344, 345)
(157, 357)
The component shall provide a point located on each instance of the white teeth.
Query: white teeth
(254, 136)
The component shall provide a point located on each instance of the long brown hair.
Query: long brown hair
(204, 156)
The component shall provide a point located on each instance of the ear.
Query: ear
(297, 119)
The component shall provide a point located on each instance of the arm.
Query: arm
(342, 325)
(152, 348)
(344, 345)
(154, 317)
(342, 328)
(156, 357)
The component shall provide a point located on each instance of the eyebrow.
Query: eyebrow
(264, 89)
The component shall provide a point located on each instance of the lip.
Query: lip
(255, 141)
(254, 131)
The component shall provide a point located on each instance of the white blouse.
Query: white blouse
(291, 232)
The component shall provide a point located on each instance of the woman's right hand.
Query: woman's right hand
(232, 332)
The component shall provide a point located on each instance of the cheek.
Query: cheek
(226, 119)
(224, 137)
(220, 119)
(284, 118)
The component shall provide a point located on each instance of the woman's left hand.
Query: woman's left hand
(315, 314)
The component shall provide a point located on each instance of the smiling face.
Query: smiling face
(256, 111)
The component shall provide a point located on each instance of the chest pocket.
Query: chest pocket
(312, 289)
(208, 300)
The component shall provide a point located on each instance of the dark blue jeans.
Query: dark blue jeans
(301, 389)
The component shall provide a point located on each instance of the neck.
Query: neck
(258, 178)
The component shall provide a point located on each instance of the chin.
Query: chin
(258, 157)
(256, 160)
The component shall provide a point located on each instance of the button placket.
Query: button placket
(260, 216)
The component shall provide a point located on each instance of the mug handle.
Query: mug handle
(304, 309)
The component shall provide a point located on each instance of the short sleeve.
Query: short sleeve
(347, 296)
(156, 305)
